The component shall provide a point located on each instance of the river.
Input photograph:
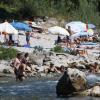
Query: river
(32, 89)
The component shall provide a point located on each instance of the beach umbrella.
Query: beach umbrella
(7, 28)
(21, 26)
(58, 30)
(76, 26)
(91, 26)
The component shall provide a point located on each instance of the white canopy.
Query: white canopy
(8, 28)
(58, 30)
(76, 26)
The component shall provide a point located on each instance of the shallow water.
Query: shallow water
(32, 89)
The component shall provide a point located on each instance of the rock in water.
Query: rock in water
(95, 91)
(78, 79)
(64, 86)
(72, 81)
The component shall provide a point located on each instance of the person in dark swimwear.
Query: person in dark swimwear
(59, 39)
(52, 69)
(68, 41)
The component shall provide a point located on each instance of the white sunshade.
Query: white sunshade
(58, 30)
(8, 28)
(76, 26)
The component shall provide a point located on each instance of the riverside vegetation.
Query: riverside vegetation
(85, 10)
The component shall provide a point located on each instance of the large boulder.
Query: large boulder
(72, 81)
(78, 79)
(95, 91)
(64, 86)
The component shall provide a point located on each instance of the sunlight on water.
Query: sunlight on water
(32, 90)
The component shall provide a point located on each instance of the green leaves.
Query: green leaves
(69, 9)
(7, 53)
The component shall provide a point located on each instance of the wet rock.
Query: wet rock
(64, 86)
(81, 67)
(77, 78)
(72, 81)
(95, 91)
(6, 71)
(43, 74)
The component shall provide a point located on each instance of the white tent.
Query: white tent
(8, 28)
(76, 26)
(58, 30)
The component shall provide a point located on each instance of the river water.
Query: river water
(32, 89)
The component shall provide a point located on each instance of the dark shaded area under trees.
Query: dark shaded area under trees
(84, 10)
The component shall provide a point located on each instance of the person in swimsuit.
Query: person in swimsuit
(18, 67)
(52, 69)
(28, 38)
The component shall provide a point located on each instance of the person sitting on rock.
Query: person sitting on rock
(91, 70)
(52, 69)
(96, 67)
(26, 62)
(62, 69)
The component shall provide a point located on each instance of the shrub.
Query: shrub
(38, 48)
(7, 53)
(58, 49)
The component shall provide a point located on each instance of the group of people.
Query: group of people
(9, 39)
(21, 66)
(66, 39)
(69, 43)
(76, 41)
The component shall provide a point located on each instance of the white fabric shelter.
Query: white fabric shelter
(8, 28)
(76, 26)
(58, 30)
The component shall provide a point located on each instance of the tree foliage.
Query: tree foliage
(85, 10)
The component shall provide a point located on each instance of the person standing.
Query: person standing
(28, 37)
(70, 31)
(59, 39)
(18, 67)
(69, 41)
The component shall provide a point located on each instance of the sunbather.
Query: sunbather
(52, 69)
(27, 62)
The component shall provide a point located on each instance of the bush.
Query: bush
(58, 49)
(38, 48)
(7, 53)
